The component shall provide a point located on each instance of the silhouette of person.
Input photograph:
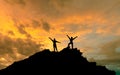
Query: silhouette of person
(71, 41)
(54, 44)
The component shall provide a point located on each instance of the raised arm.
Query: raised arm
(68, 36)
(58, 42)
(50, 38)
(75, 37)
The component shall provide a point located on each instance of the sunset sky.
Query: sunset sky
(25, 26)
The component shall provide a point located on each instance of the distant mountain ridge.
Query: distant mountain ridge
(67, 61)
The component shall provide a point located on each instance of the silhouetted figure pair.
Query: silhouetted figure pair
(71, 41)
(55, 41)
(54, 44)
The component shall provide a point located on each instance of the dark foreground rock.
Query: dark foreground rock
(65, 62)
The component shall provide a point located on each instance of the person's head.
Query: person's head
(71, 37)
(54, 38)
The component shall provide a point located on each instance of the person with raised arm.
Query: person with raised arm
(54, 44)
(71, 41)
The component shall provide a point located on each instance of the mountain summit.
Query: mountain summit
(67, 61)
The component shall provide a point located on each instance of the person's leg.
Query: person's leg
(72, 45)
(56, 49)
(69, 45)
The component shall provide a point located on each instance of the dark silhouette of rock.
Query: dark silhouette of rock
(66, 62)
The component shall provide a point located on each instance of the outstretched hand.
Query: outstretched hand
(50, 38)
(58, 42)
(75, 37)
(68, 36)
